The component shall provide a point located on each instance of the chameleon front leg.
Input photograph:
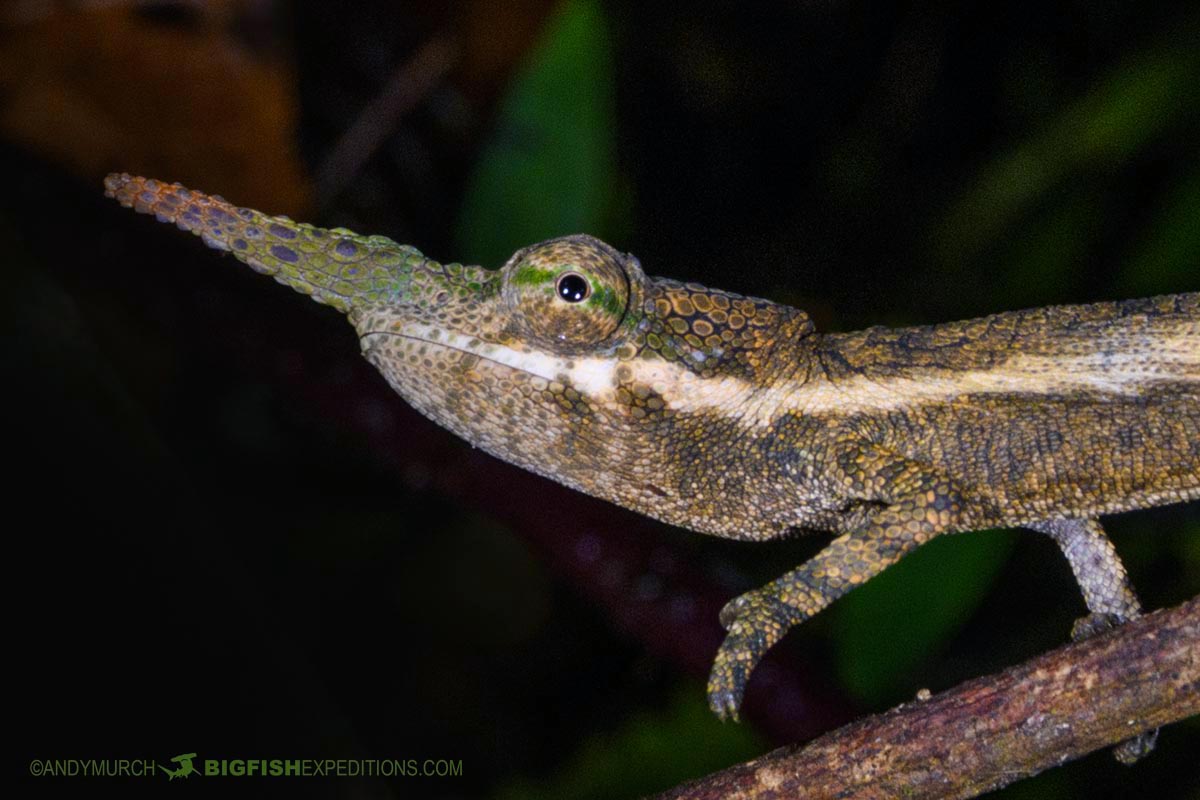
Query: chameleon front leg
(914, 504)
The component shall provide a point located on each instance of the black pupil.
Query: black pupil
(572, 288)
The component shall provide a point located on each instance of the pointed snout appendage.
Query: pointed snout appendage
(336, 267)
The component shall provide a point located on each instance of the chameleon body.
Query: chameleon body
(733, 416)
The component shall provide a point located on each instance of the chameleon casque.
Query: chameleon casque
(733, 416)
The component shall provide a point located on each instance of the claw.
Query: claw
(755, 621)
(1132, 750)
(732, 610)
(1094, 625)
(731, 671)
(724, 705)
(726, 686)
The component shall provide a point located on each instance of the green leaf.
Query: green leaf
(1138, 102)
(549, 168)
(1168, 258)
(1050, 252)
(887, 627)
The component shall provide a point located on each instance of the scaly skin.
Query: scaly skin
(732, 416)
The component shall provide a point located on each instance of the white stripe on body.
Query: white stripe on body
(1117, 364)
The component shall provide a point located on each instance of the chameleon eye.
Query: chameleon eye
(573, 287)
(567, 294)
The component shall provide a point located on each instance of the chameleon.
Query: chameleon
(733, 416)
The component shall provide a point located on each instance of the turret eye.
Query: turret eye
(573, 287)
(566, 295)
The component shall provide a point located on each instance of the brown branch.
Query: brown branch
(992, 731)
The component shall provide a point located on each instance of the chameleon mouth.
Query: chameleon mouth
(596, 377)
(533, 363)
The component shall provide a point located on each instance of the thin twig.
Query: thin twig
(992, 731)
(407, 86)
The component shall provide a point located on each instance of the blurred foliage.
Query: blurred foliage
(1042, 204)
(892, 624)
(651, 752)
(211, 107)
(549, 167)
(1190, 547)
(1112, 124)
(1168, 254)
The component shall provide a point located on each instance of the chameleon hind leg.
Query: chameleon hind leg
(1098, 570)
(1107, 592)
(909, 504)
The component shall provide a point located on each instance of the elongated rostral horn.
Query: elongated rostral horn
(334, 266)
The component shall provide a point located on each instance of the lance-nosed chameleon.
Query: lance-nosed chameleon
(733, 416)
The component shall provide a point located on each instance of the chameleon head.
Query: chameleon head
(520, 361)
(515, 361)
(569, 362)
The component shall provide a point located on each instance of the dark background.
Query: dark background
(227, 536)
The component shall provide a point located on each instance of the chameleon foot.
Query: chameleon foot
(755, 621)
(734, 609)
(1094, 625)
(1130, 750)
